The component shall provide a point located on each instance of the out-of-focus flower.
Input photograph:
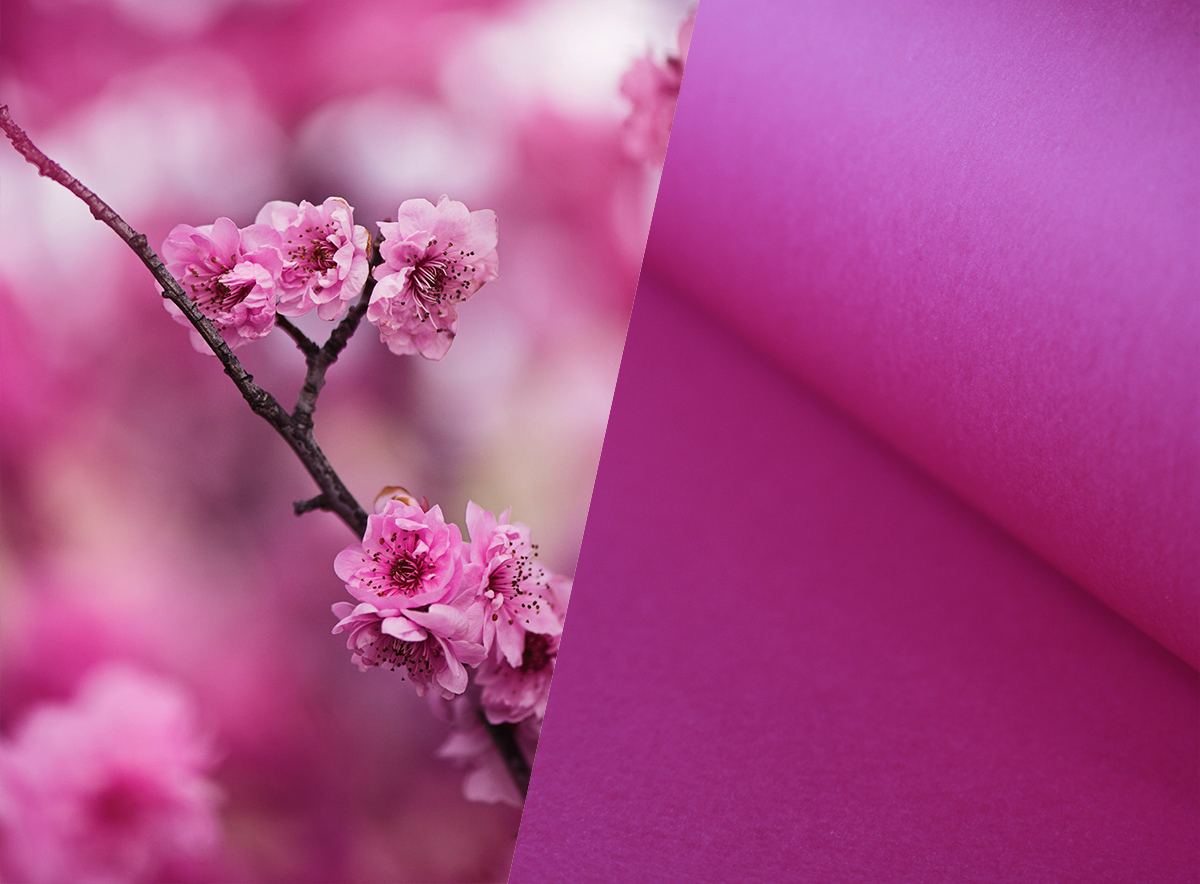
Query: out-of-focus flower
(685, 35)
(231, 275)
(653, 89)
(513, 693)
(324, 252)
(435, 257)
(561, 56)
(110, 788)
(382, 140)
(514, 589)
(470, 746)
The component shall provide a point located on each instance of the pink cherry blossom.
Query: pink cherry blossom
(513, 693)
(433, 644)
(470, 746)
(408, 557)
(413, 611)
(231, 275)
(653, 89)
(435, 257)
(110, 788)
(325, 256)
(514, 589)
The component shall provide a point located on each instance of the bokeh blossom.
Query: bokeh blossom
(231, 275)
(324, 252)
(512, 584)
(110, 788)
(470, 746)
(652, 87)
(435, 257)
(513, 693)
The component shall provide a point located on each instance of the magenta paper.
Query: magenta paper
(857, 643)
(975, 227)
(791, 656)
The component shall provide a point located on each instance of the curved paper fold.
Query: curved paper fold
(976, 228)
(792, 656)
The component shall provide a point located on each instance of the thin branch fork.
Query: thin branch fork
(320, 358)
(295, 428)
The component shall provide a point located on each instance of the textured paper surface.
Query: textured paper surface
(976, 227)
(791, 656)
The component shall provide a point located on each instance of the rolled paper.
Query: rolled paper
(975, 228)
(793, 656)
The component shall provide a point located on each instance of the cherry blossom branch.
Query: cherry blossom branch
(295, 428)
(321, 358)
(335, 496)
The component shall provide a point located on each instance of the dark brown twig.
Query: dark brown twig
(504, 737)
(318, 362)
(303, 341)
(307, 506)
(295, 428)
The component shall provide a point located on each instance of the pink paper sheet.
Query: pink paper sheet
(795, 654)
(791, 656)
(976, 227)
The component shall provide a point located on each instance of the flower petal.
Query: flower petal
(403, 629)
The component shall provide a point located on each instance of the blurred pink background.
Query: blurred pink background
(147, 513)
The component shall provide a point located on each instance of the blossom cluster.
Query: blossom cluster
(297, 258)
(432, 603)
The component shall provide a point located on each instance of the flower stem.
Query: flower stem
(504, 737)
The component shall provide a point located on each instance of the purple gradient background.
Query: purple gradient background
(792, 654)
